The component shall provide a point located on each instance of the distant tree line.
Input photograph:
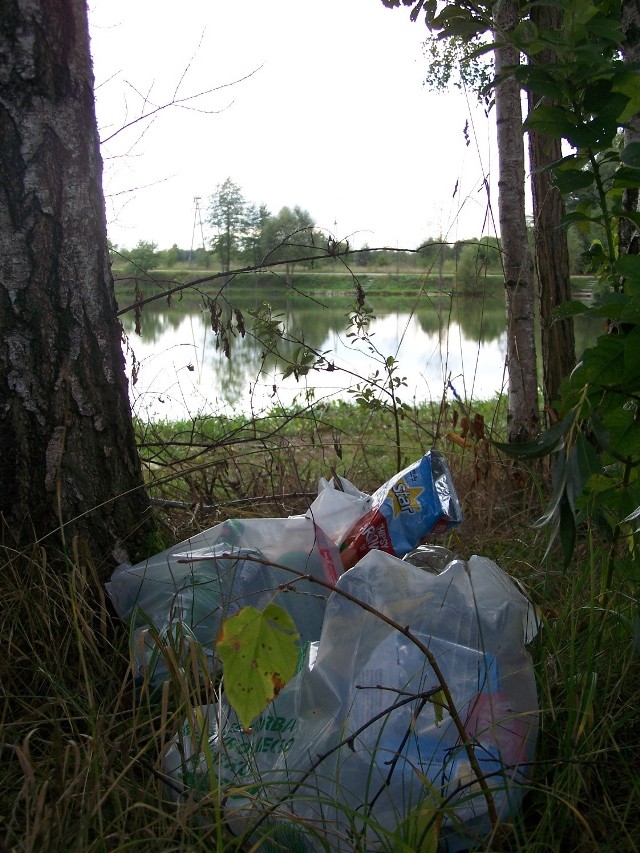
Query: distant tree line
(249, 234)
(246, 234)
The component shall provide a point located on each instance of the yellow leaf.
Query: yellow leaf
(259, 655)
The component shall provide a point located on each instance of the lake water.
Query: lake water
(181, 373)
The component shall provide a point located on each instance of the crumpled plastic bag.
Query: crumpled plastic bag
(359, 745)
(338, 507)
(185, 592)
(417, 502)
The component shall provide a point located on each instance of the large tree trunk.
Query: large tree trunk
(523, 415)
(68, 461)
(551, 252)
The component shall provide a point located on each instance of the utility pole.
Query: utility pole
(196, 216)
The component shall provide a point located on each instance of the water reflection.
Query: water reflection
(181, 372)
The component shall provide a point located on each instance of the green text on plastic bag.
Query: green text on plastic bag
(259, 655)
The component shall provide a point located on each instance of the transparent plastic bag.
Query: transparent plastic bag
(184, 593)
(360, 740)
(338, 507)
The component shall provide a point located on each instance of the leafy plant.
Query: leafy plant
(596, 442)
(380, 391)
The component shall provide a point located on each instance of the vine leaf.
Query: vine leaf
(548, 441)
(259, 655)
(630, 154)
(570, 308)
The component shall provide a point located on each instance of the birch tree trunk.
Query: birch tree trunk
(523, 415)
(68, 461)
(557, 338)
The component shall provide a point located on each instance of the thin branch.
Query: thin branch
(211, 509)
(179, 102)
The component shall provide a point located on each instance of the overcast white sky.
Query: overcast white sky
(334, 118)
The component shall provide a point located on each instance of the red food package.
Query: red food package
(419, 501)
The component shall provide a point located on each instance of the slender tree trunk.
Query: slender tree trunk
(551, 251)
(523, 416)
(68, 461)
(627, 231)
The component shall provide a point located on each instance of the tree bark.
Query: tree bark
(523, 416)
(627, 232)
(551, 251)
(68, 460)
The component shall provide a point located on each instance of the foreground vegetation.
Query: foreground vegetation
(81, 747)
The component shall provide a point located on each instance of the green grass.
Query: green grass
(315, 283)
(81, 747)
(228, 462)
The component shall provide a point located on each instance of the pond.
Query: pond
(179, 371)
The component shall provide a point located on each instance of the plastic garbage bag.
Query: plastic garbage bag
(417, 502)
(360, 747)
(185, 592)
(338, 507)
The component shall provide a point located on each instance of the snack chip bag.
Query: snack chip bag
(419, 501)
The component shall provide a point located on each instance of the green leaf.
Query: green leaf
(259, 655)
(567, 530)
(538, 81)
(629, 312)
(439, 704)
(568, 181)
(610, 506)
(627, 83)
(610, 305)
(582, 463)
(628, 266)
(559, 481)
(623, 431)
(625, 177)
(525, 34)
(605, 28)
(464, 29)
(633, 515)
(603, 364)
(632, 217)
(571, 308)
(481, 50)
(594, 133)
(545, 444)
(550, 120)
(574, 218)
(630, 155)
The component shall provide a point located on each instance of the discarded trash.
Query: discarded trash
(417, 502)
(362, 744)
(431, 558)
(183, 594)
(413, 712)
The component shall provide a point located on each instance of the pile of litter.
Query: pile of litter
(413, 710)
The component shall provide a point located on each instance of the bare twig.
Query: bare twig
(177, 102)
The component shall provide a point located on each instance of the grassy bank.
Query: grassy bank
(81, 748)
(193, 284)
(311, 283)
